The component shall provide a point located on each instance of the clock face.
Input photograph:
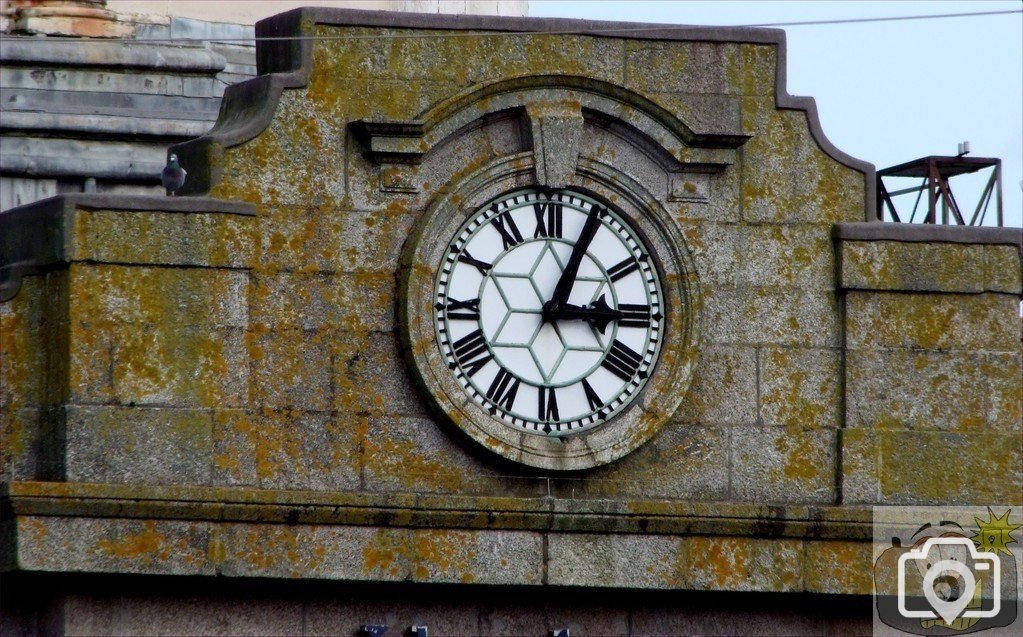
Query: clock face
(549, 311)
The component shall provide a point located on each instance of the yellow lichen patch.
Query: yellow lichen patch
(445, 556)
(294, 551)
(386, 554)
(146, 546)
(719, 563)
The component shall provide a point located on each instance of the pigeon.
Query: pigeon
(173, 176)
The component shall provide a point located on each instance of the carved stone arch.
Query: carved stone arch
(553, 110)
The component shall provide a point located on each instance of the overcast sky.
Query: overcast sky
(887, 92)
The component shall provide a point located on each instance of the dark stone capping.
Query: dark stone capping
(927, 233)
(542, 514)
(558, 26)
(289, 63)
(33, 236)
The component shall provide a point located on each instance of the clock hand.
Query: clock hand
(567, 280)
(598, 313)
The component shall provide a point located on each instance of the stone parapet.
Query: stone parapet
(932, 362)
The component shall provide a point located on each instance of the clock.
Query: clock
(555, 326)
(548, 311)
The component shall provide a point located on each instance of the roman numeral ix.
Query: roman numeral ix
(457, 310)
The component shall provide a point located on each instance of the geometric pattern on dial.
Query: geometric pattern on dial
(553, 373)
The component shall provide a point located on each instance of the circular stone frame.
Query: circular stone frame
(666, 387)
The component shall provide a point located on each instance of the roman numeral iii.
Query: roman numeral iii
(622, 361)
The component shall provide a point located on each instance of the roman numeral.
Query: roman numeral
(482, 266)
(457, 310)
(635, 315)
(548, 219)
(502, 391)
(503, 223)
(471, 352)
(622, 361)
(591, 397)
(547, 404)
(623, 268)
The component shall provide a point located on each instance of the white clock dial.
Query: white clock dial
(549, 311)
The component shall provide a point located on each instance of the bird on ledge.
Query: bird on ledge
(173, 176)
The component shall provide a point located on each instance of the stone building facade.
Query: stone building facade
(238, 411)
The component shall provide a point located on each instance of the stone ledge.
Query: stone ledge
(922, 260)
(927, 233)
(42, 235)
(359, 537)
(225, 504)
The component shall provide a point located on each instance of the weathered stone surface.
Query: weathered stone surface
(626, 561)
(138, 445)
(369, 376)
(180, 615)
(1002, 269)
(837, 568)
(236, 441)
(725, 388)
(771, 316)
(800, 387)
(105, 545)
(783, 464)
(744, 564)
(974, 322)
(154, 295)
(793, 180)
(920, 389)
(412, 455)
(682, 462)
(297, 449)
(762, 254)
(920, 267)
(355, 301)
(165, 238)
(291, 368)
(892, 466)
(701, 68)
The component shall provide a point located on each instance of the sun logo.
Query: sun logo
(995, 533)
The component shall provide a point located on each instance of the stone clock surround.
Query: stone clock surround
(194, 402)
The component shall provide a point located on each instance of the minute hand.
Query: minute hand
(564, 287)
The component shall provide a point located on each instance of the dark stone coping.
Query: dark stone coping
(32, 237)
(568, 26)
(236, 504)
(248, 107)
(927, 233)
(101, 201)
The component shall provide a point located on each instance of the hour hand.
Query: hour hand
(598, 314)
